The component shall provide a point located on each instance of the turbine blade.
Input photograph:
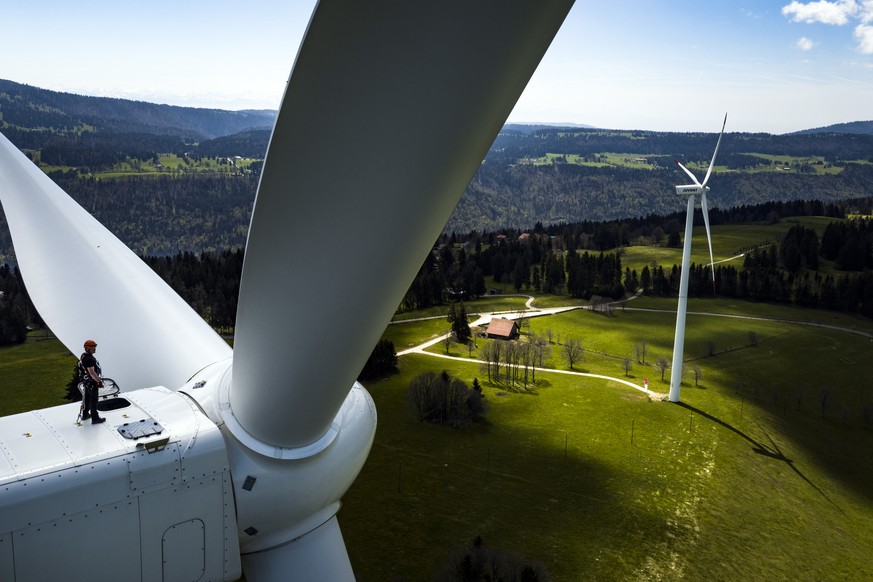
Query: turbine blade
(387, 115)
(715, 153)
(687, 171)
(86, 284)
(705, 209)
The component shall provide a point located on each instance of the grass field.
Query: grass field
(728, 241)
(748, 479)
(769, 163)
(751, 478)
(166, 164)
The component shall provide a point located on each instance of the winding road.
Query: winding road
(530, 311)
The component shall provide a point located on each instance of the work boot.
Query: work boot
(86, 416)
(98, 420)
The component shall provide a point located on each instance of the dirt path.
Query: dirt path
(531, 311)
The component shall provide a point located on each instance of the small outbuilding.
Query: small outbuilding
(501, 328)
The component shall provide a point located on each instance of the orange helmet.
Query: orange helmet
(90, 344)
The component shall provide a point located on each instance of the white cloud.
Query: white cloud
(864, 36)
(804, 44)
(837, 12)
(866, 12)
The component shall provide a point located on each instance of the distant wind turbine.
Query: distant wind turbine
(690, 190)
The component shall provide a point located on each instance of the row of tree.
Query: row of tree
(514, 362)
(441, 399)
(548, 260)
(762, 279)
(208, 282)
(849, 244)
(451, 274)
(514, 143)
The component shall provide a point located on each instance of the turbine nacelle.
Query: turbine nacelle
(692, 190)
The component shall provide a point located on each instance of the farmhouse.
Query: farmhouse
(500, 328)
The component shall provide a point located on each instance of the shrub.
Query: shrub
(440, 399)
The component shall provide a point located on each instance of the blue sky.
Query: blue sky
(774, 66)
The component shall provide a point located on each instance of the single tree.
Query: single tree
(460, 325)
(73, 394)
(662, 363)
(640, 350)
(697, 372)
(627, 365)
(573, 352)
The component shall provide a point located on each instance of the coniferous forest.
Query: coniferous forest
(550, 210)
(580, 260)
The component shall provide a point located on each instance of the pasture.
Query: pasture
(728, 241)
(756, 475)
(749, 478)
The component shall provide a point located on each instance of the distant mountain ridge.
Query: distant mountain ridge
(25, 107)
(858, 127)
(115, 156)
(531, 127)
(28, 108)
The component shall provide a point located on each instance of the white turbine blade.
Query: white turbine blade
(388, 113)
(87, 284)
(687, 171)
(705, 209)
(715, 153)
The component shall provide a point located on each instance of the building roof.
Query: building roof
(501, 327)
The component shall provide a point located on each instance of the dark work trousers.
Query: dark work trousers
(91, 392)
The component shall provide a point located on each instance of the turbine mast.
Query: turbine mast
(679, 341)
(690, 190)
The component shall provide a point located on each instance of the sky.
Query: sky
(773, 66)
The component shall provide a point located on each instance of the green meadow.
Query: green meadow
(728, 241)
(166, 164)
(769, 163)
(763, 472)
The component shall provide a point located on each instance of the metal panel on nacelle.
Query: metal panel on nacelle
(7, 566)
(109, 505)
(154, 470)
(97, 545)
(180, 543)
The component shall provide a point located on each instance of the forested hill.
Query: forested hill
(517, 196)
(555, 175)
(175, 179)
(43, 112)
(851, 127)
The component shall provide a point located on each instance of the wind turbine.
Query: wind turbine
(219, 460)
(690, 190)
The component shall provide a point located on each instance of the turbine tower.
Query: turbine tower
(690, 190)
(217, 460)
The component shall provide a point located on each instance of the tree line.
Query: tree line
(457, 267)
(787, 272)
(556, 259)
(39, 113)
(513, 144)
(441, 399)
